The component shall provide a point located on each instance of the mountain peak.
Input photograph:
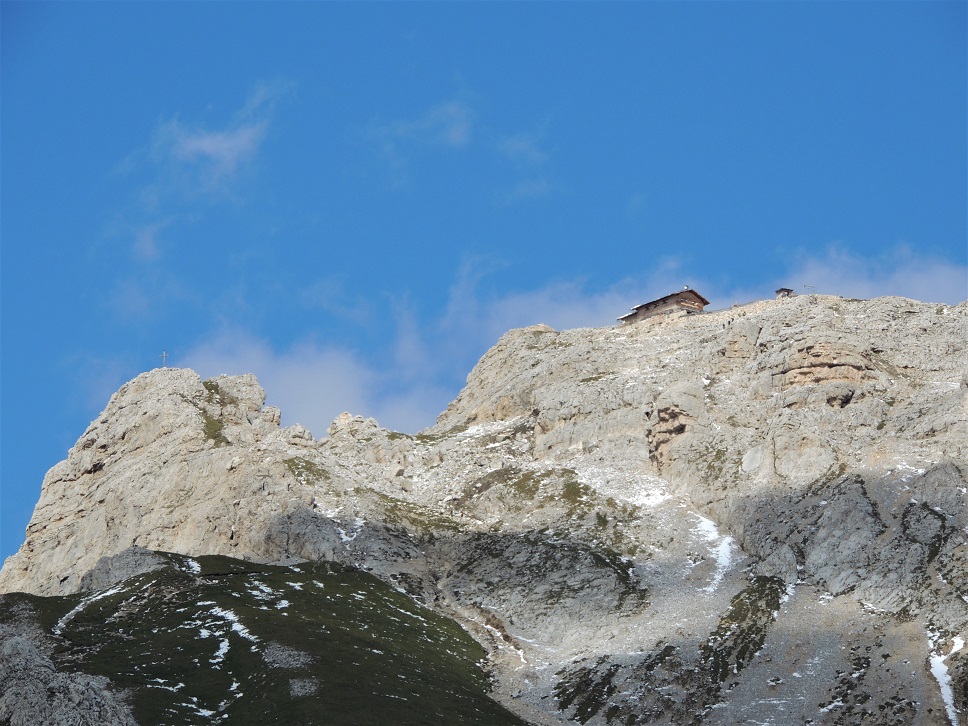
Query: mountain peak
(680, 503)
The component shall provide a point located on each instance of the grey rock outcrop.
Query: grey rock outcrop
(113, 569)
(757, 513)
(33, 692)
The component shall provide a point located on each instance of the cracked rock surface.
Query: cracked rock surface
(756, 515)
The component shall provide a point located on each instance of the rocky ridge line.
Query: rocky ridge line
(642, 524)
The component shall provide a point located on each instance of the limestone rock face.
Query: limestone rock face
(757, 513)
(33, 692)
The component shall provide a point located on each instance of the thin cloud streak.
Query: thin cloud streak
(523, 149)
(899, 271)
(185, 168)
(223, 152)
(191, 159)
(445, 125)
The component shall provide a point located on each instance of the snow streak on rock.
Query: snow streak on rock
(721, 546)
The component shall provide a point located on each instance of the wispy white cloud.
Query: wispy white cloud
(523, 149)
(330, 294)
(454, 125)
(147, 241)
(265, 96)
(312, 384)
(186, 167)
(218, 155)
(174, 181)
(448, 124)
(561, 304)
(195, 158)
(898, 271)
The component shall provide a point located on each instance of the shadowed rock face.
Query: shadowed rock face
(757, 514)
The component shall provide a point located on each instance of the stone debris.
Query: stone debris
(32, 692)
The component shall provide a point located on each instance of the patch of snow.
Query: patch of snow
(485, 429)
(282, 604)
(720, 546)
(939, 670)
(223, 648)
(412, 615)
(348, 537)
(635, 488)
(83, 604)
(233, 619)
(204, 712)
(262, 591)
(908, 472)
(192, 566)
(830, 707)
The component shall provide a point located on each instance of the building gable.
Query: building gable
(688, 300)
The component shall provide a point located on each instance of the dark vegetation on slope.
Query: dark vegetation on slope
(218, 640)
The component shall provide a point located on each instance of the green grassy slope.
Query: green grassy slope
(217, 640)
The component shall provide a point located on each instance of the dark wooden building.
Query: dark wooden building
(688, 300)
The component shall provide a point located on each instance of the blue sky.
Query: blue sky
(354, 201)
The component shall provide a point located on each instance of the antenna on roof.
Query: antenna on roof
(685, 287)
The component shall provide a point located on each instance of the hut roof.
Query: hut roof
(667, 298)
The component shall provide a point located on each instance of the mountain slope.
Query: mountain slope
(750, 515)
(218, 640)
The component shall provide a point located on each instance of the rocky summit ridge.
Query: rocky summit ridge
(756, 515)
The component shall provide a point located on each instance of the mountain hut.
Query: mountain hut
(686, 300)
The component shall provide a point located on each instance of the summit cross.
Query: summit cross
(164, 358)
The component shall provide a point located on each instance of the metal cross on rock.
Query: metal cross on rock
(164, 358)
